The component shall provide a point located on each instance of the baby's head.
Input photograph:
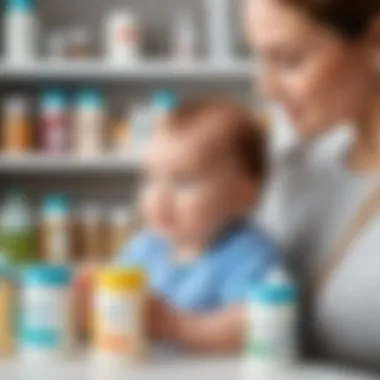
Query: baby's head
(204, 169)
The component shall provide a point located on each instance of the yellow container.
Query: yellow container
(119, 328)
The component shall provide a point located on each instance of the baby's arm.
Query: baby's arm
(218, 332)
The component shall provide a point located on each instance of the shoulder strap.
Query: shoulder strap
(365, 214)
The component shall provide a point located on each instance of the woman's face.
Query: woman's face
(320, 78)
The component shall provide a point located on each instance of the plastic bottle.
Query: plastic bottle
(119, 228)
(219, 34)
(89, 123)
(20, 31)
(55, 229)
(46, 320)
(141, 126)
(7, 310)
(184, 37)
(90, 234)
(17, 128)
(119, 335)
(17, 230)
(54, 122)
(121, 136)
(122, 37)
(163, 102)
(272, 347)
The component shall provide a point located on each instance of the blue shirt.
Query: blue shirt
(220, 277)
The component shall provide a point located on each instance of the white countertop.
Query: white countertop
(161, 367)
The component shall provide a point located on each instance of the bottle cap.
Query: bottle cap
(55, 204)
(90, 98)
(165, 100)
(54, 99)
(20, 5)
(46, 275)
(276, 289)
(116, 279)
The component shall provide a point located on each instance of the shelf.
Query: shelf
(143, 71)
(38, 164)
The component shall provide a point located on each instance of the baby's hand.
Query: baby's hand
(161, 319)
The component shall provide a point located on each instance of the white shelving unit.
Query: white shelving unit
(142, 71)
(39, 164)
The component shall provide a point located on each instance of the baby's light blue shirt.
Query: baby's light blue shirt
(220, 277)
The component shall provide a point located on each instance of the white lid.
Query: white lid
(120, 216)
(16, 105)
(123, 16)
(90, 213)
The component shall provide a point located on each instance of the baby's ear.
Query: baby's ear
(250, 191)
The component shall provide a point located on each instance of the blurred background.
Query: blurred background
(82, 83)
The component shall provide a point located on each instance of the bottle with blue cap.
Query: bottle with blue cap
(54, 123)
(272, 344)
(89, 123)
(20, 31)
(46, 321)
(55, 229)
(163, 102)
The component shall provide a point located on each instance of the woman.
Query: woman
(321, 62)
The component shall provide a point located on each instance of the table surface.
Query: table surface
(162, 366)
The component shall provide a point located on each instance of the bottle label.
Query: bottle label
(43, 319)
(116, 323)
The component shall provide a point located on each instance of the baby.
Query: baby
(204, 170)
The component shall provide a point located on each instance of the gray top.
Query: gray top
(310, 202)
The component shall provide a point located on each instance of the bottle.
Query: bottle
(122, 37)
(184, 38)
(163, 102)
(17, 130)
(120, 228)
(78, 44)
(219, 34)
(272, 347)
(141, 126)
(7, 311)
(90, 234)
(46, 319)
(56, 229)
(20, 31)
(89, 123)
(121, 136)
(54, 122)
(17, 230)
(120, 296)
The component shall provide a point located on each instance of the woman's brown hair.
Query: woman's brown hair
(350, 18)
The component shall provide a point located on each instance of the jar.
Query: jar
(272, 344)
(119, 334)
(46, 320)
(7, 309)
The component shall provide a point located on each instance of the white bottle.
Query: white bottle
(141, 126)
(184, 38)
(219, 30)
(272, 344)
(89, 124)
(122, 37)
(20, 31)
